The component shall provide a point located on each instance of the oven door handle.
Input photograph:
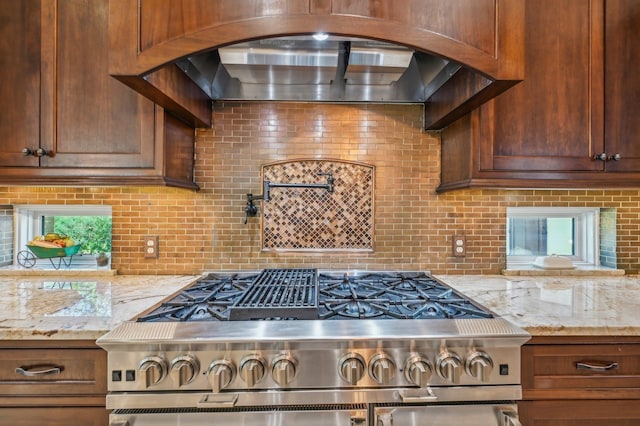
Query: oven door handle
(218, 401)
(510, 418)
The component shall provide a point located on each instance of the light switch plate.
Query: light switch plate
(459, 246)
(151, 246)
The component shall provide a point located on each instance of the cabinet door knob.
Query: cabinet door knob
(615, 157)
(27, 152)
(41, 152)
(602, 156)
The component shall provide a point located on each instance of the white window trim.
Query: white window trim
(28, 221)
(586, 238)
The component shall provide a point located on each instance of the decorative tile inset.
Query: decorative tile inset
(312, 218)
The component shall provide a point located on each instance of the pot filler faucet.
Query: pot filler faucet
(251, 210)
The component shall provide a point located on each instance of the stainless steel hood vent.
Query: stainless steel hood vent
(300, 68)
(376, 63)
(281, 61)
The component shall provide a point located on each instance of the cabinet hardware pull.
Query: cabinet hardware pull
(39, 370)
(597, 366)
(27, 152)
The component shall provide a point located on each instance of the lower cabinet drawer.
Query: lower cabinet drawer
(78, 371)
(55, 416)
(580, 413)
(581, 366)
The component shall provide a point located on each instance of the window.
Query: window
(89, 225)
(542, 231)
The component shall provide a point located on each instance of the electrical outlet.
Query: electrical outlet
(151, 246)
(459, 246)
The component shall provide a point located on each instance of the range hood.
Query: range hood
(452, 56)
(301, 68)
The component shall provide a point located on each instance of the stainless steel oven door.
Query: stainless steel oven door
(356, 415)
(458, 415)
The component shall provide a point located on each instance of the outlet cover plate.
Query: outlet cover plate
(459, 246)
(151, 246)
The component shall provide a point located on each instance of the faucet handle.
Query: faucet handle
(250, 210)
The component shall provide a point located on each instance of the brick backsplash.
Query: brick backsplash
(205, 230)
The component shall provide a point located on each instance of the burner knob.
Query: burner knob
(183, 370)
(449, 366)
(479, 365)
(351, 368)
(221, 374)
(154, 369)
(283, 369)
(252, 369)
(382, 368)
(417, 370)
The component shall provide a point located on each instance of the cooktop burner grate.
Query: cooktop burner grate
(392, 295)
(208, 299)
(279, 294)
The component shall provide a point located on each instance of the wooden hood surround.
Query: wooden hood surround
(486, 37)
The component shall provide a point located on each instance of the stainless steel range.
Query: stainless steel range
(298, 346)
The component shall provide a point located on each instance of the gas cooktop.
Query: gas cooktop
(309, 294)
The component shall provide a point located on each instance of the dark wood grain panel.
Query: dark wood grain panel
(182, 17)
(55, 416)
(551, 114)
(179, 149)
(555, 392)
(471, 32)
(99, 121)
(579, 413)
(20, 82)
(622, 74)
(75, 396)
(83, 371)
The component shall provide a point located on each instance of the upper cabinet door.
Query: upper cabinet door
(20, 82)
(553, 120)
(89, 119)
(622, 83)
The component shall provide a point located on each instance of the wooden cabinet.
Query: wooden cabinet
(20, 82)
(622, 84)
(575, 105)
(89, 127)
(578, 380)
(60, 383)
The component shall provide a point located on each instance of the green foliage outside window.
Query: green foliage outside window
(94, 232)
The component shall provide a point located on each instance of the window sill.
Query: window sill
(579, 270)
(79, 271)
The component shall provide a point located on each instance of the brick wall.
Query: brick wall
(204, 230)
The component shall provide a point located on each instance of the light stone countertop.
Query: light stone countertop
(73, 307)
(560, 305)
(86, 308)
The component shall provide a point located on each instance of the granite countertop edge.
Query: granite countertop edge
(541, 305)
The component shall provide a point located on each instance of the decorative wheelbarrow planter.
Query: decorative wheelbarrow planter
(64, 255)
